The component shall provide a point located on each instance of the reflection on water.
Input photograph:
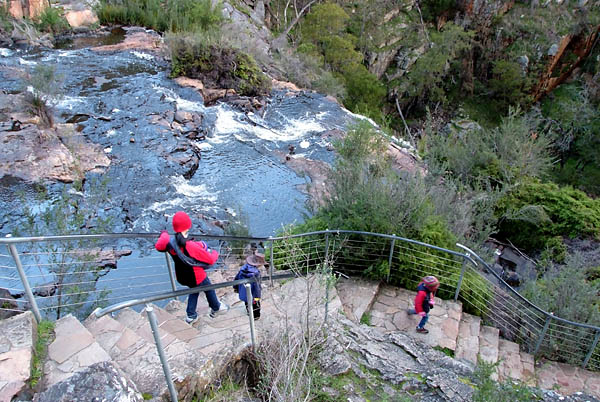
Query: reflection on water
(114, 36)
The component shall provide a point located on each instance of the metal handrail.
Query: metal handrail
(271, 241)
(174, 294)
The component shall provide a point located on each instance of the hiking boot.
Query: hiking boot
(422, 330)
(191, 320)
(223, 308)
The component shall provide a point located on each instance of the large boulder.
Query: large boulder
(17, 340)
(99, 382)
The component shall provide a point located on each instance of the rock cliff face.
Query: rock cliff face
(25, 8)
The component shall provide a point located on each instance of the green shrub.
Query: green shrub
(52, 20)
(488, 390)
(45, 335)
(217, 65)
(509, 84)
(566, 291)
(533, 213)
(502, 156)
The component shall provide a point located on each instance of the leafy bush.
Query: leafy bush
(217, 66)
(566, 291)
(52, 20)
(503, 156)
(533, 213)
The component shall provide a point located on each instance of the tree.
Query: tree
(426, 80)
(73, 265)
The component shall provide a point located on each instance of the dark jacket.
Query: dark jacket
(186, 274)
(248, 271)
(423, 298)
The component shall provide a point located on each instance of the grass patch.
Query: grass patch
(45, 335)
(366, 318)
(447, 351)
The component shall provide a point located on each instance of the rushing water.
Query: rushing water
(113, 96)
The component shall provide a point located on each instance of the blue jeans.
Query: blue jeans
(211, 298)
(423, 320)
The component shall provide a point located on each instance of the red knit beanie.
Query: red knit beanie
(431, 282)
(181, 222)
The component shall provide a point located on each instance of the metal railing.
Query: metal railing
(82, 275)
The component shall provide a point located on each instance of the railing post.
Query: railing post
(271, 264)
(543, 334)
(390, 259)
(170, 268)
(161, 352)
(326, 245)
(589, 355)
(462, 275)
(250, 308)
(26, 287)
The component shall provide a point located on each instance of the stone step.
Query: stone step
(528, 363)
(138, 356)
(17, 339)
(175, 325)
(467, 343)
(73, 350)
(389, 312)
(510, 366)
(357, 296)
(567, 379)
(139, 323)
(488, 343)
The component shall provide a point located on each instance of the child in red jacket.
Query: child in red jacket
(424, 301)
(191, 258)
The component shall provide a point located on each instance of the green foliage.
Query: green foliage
(325, 37)
(447, 351)
(325, 21)
(366, 318)
(365, 93)
(509, 84)
(435, 8)
(566, 291)
(172, 16)
(504, 156)
(216, 64)
(45, 335)
(533, 213)
(488, 390)
(46, 89)
(573, 114)
(426, 81)
(52, 20)
(366, 195)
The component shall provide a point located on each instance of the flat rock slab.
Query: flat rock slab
(390, 313)
(467, 343)
(73, 350)
(357, 296)
(18, 332)
(510, 361)
(568, 379)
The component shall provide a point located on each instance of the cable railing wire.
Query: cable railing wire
(352, 251)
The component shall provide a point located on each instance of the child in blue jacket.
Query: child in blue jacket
(251, 269)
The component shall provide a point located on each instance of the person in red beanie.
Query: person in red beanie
(424, 301)
(191, 257)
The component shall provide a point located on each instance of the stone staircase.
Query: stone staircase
(119, 351)
(196, 354)
(464, 335)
